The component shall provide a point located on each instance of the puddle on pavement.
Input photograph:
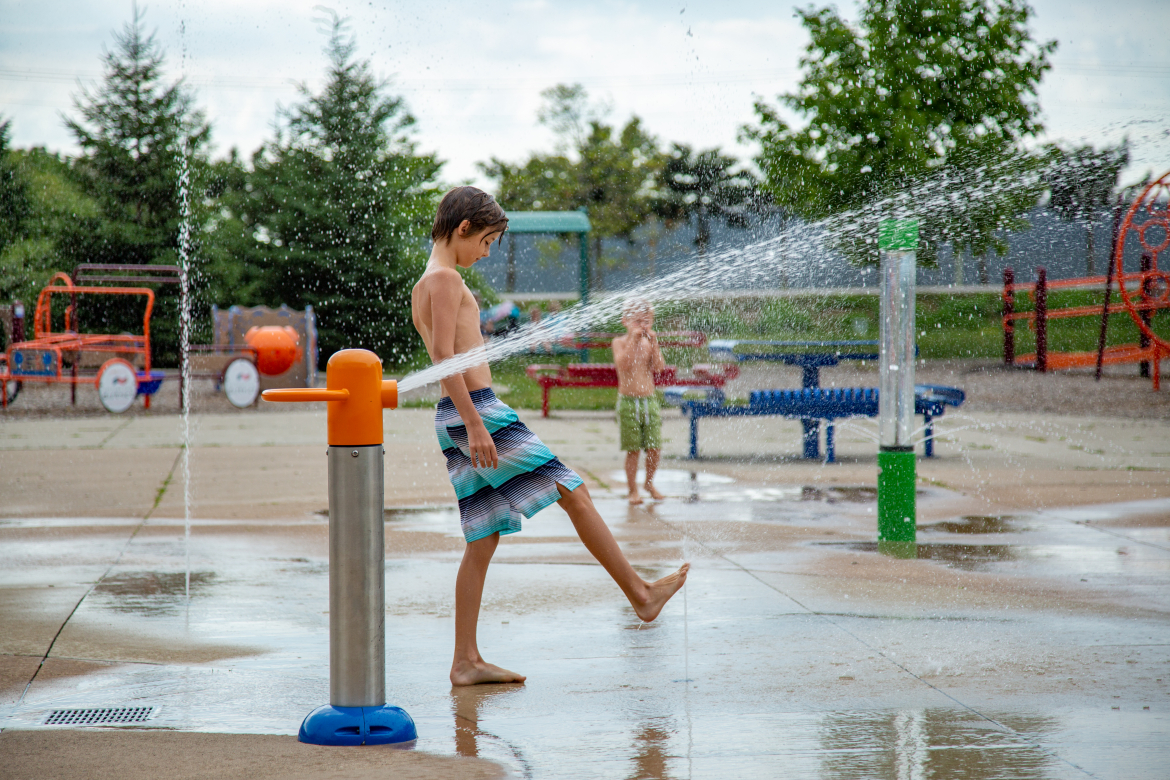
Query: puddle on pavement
(702, 486)
(968, 557)
(152, 592)
(860, 494)
(977, 524)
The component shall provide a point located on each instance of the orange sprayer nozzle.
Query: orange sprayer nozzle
(357, 394)
(304, 395)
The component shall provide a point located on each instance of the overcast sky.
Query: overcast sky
(472, 72)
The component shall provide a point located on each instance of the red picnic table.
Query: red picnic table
(550, 375)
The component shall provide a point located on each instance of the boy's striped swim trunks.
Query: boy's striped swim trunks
(525, 482)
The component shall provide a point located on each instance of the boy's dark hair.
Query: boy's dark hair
(472, 204)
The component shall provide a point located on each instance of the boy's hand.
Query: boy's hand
(481, 448)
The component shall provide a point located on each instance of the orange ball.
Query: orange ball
(276, 348)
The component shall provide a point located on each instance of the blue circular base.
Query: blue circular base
(385, 725)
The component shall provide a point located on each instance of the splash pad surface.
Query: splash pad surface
(805, 652)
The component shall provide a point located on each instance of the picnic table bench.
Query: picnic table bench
(550, 375)
(811, 403)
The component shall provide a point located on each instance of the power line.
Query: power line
(649, 80)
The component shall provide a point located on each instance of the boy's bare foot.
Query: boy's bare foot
(635, 499)
(653, 491)
(660, 593)
(475, 673)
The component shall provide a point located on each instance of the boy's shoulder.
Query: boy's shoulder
(439, 278)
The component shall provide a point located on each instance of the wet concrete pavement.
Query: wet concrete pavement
(791, 651)
(1027, 641)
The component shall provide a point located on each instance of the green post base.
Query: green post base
(908, 550)
(897, 478)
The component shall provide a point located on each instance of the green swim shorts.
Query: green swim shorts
(640, 422)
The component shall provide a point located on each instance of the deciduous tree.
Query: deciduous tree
(610, 172)
(916, 89)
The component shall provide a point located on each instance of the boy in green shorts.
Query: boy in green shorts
(639, 412)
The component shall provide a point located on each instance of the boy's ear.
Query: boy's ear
(464, 228)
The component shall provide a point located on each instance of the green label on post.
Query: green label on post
(898, 234)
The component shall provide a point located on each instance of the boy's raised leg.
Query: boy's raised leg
(647, 598)
(632, 476)
(653, 457)
(468, 667)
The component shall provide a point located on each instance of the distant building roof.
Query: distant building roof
(548, 222)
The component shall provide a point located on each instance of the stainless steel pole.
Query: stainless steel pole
(357, 597)
(357, 713)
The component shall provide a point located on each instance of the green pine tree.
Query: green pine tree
(336, 211)
(133, 130)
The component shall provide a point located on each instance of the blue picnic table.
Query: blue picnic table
(811, 403)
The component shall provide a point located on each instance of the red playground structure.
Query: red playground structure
(69, 357)
(1143, 292)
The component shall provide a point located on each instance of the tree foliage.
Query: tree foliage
(14, 200)
(705, 185)
(134, 130)
(612, 173)
(49, 202)
(335, 212)
(1081, 183)
(917, 88)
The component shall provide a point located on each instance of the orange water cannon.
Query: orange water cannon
(356, 393)
(357, 713)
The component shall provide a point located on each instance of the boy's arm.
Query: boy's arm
(446, 297)
(621, 355)
(657, 362)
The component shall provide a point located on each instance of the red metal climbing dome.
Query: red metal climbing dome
(1147, 290)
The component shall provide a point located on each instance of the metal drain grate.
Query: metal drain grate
(98, 716)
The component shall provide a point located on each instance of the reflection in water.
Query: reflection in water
(968, 557)
(467, 705)
(652, 743)
(934, 743)
(152, 593)
(861, 494)
(976, 524)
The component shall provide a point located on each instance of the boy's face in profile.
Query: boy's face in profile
(472, 247)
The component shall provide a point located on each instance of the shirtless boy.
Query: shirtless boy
(637, 358)
(500, 470)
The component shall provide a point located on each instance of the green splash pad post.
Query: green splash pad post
(897, 469)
